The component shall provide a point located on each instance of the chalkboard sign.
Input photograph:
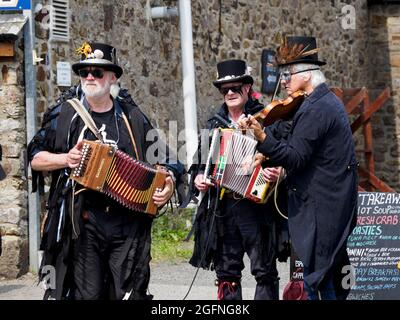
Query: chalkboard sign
(374, 247)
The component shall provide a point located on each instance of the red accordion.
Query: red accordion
(229, 165)
(130, 182)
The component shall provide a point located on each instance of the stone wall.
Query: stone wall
(242, 29)
(150, 52)
(384, 71)
(13, 194)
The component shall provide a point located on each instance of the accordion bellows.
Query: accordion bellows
(130, 182)
(229, 165)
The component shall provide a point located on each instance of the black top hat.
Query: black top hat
(100, 55)
(2, 173)
(233, 71)
(298, 50)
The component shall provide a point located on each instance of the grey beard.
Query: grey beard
(98, 93)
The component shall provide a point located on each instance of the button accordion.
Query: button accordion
(230, 165)
(130, 182)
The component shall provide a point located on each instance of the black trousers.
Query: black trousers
(243, 228)
(99, 267)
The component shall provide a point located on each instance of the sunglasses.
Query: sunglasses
(96, 73)
(287, 75)
(235, 89)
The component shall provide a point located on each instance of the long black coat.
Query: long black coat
(58, 250)
(322, 180)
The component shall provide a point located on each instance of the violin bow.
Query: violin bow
(277, 86)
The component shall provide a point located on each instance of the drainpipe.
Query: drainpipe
(188, 85)
(189, 90)
(30, 102)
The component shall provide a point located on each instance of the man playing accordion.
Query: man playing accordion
(241, 225)
(99, 248)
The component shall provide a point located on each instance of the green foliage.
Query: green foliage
(168, 234)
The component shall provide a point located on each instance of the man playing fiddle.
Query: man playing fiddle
(319, 158)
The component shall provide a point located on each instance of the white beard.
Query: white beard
(96, 92)
(114, 90)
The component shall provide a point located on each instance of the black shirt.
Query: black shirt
(106, 214)
(113, 130)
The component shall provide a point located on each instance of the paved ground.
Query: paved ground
(168, 282)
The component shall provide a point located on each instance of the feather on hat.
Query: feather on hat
(297, 50)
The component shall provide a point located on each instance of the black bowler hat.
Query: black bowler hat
(99, 55)
(233, 71)
(298, 50)
(2, 173)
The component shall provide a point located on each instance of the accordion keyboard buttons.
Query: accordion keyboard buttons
(80, 170)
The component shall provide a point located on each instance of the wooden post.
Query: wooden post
(368, 146)
(357, 101)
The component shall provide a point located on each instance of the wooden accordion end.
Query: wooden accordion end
(229, 164)
(128, 181)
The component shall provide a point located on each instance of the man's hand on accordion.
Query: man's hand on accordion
(161, 197)
(271, 174)
(48, 161)
(201, 184)
(74, 155)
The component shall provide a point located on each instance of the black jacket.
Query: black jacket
(58, 134)
(205, 226)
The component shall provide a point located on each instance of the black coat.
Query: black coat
(322, 179)
(205, 226)
(59, 247)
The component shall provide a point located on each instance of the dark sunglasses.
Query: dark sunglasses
(96, 73)
(235, 89)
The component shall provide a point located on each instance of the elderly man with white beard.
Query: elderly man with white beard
(99, 248)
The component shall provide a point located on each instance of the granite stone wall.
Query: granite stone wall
(384, 71)
(150, 51)
(13, 189)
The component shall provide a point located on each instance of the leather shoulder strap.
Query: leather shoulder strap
(131, 135)
(86, 117)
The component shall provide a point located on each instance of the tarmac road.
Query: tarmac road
(168, 282)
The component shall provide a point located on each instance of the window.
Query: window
(59, 20)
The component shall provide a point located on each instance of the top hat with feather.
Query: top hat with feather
(100, 55)
(297, 49)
